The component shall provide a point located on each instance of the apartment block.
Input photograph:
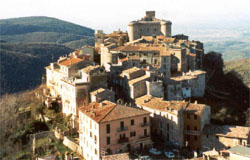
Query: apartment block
(109, 128)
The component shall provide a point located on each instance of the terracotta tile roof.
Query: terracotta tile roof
(136, 80)
(90, 68)
(188, 75)
(227, 131)
(124, 59)
(130, 70)
(142, 48)
(196, 108)
(121, 156)
(159, 104)
(163, 105)
(108, 111)
(100, 90)
(70, 61)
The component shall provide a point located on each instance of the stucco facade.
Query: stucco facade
(109, 128)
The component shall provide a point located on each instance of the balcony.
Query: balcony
(122, 129)
(145, 137)
(145, 124)
(123, 140)
(190, 132)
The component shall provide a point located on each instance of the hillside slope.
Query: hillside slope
(28, 44)
(241, 67)
(22, 64)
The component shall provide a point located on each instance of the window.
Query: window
(108, 140)
(132, 122)
(95, 139)
(108, 128)
(145, 120)
(188, 128)
(145, 132)
(217, 137)
(132, 134)
(195, 116)
(122, 125)
(122, 136)
(95, 152)
(188, 116)
(195, 128)
(155, 61)
(195, 138)
(207, 135)
(188, 137)
(90, 134)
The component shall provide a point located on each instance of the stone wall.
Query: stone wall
(70, 143)
(155, 88)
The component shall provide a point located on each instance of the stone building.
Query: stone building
(96, 76)
(190, 84)
(102, 94)
(173, 120)
(223, 137)
(134, 82)
(64, 67)
(167, 118)
(139, 82)
(149, 26)
(109, 128)
(196, 116)
(74, 93)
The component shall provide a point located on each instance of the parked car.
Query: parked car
(154, 151)
(169, 154)
(145, 158)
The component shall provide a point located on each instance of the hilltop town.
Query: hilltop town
(129, 97)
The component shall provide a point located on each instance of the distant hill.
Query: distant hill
(241, 67)
(29, 44)
(231, 39)
(44, 29)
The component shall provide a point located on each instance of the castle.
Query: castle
(149, 26)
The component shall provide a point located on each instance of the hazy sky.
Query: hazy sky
(113, 14)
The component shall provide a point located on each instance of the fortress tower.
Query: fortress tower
(149, 26)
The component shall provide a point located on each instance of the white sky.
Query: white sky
(110, 15)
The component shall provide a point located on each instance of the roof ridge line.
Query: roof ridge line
(108, 113)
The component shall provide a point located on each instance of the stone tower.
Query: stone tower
(99, 37)
(149, 26)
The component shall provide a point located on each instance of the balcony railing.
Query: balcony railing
(122, 129)
(123, 140)
(191, 132)
(145, 124)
